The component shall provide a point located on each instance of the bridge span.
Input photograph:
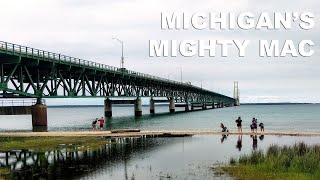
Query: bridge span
(27, 72)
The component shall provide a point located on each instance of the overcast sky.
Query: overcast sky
(84, 29)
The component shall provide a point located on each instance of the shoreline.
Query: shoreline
(151, 133)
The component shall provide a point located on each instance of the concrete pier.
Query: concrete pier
(138, 107)
(187, 107)
(39, 114)
(152, 111)
(108, 107)
(171, 105)
(204, 106)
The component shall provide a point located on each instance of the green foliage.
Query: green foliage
(299, 161)
(48, 143)
(232, 161)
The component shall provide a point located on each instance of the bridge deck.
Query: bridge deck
(150, 133)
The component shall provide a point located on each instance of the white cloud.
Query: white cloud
(85, 29)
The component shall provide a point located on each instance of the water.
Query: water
(155, 158)
(298, 118)
(139, 158)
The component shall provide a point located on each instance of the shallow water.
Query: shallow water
(141, 158)
(298, 118)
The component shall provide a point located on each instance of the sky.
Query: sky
(84, 29)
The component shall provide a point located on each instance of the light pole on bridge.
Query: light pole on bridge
(122, 58)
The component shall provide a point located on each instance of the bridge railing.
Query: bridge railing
(36, 53)
(15, 49)
(19, 102)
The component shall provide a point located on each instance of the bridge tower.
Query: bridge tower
(236, 93)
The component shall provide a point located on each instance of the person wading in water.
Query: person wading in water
(101, 120)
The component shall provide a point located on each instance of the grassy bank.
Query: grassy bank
(298, 161)
(48, 143)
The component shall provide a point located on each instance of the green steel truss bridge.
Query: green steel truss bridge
(32, 73)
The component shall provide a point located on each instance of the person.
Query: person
(254, 125)
(101, 120)
(239, 124)
(224, 128)
(251, 127)
(94, 123)
(261, 125)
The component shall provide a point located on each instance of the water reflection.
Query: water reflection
(239, 142)
(224, 137)
(74, 162)
(135, 158)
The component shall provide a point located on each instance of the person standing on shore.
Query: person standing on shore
(101, 120)
(239, 124)
(254, 125)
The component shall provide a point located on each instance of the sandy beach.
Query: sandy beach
(154, 133)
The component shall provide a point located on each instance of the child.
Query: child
(261, 125)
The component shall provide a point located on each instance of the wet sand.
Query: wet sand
(150, 133)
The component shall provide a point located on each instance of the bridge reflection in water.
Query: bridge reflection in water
(148, 157)
(71, 161)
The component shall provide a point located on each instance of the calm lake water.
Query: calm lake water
(140, 158)
(155, 158)
(298, 118)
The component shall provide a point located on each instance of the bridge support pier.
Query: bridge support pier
(204, 106)
(137, 107)
(187, 107)
(219, 105)
(152, 111)
(39, 115)
(108, 107)
(213, 106)
(171, 105)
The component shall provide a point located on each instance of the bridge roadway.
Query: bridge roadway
(32, 73)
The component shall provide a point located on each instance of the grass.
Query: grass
(4, 171)
(42, 144)
(47, 143)
(298, 161)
